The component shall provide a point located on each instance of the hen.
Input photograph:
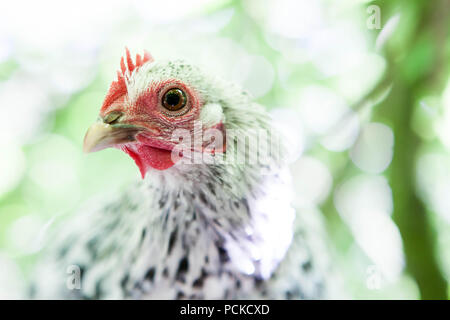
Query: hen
(212, 216)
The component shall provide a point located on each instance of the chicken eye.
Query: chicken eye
(174, 99)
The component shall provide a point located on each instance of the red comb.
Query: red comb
(118, 88)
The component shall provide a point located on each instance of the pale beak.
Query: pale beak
(102, 135)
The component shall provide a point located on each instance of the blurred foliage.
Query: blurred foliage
(367, 109)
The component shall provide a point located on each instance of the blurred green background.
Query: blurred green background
(362, 88)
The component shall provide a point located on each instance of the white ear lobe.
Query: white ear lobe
(211, 114)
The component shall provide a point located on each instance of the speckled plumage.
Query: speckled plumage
(201, 231)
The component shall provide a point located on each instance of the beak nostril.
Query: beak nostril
(112, 117)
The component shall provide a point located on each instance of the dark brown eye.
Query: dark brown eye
(174, 99)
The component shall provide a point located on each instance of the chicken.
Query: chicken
(211, 218)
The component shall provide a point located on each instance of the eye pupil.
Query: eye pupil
(174, 100)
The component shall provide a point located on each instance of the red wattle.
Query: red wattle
(145, 157)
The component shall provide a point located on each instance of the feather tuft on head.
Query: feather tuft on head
(118, 88)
